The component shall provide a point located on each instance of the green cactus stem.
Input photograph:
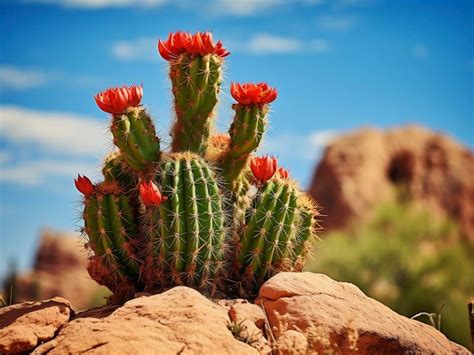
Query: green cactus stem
(188, 228)
(246, 133)
(268, 229)
(196, 81)
(110, 225)
(135, 136)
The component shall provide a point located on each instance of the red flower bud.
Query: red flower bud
(283, 173)
(117, 100)
(84, 185)
(263, 168)
(150, 194)
(201, 43)
(253, 94)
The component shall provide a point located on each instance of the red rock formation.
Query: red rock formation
(360, 169)
(58, 270)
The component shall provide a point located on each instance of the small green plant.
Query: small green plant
(207, 214)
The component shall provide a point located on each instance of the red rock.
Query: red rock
(359, 170)
(180, 320)
(23, 326)
(337, 316)
(59, 270)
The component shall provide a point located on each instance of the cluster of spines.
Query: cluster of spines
(200, 230)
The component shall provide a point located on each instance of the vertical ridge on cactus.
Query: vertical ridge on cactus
(208, 214)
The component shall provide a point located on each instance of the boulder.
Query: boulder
(338, 317)
(178, 321)
(23, 326)
(296, 313)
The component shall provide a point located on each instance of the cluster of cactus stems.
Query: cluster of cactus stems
(208, 214)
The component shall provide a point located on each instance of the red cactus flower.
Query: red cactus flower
(84, 185)
(117, 100)
(253, 94)
(263, 168)
(201, 43)
(283, 173)
(150, 194)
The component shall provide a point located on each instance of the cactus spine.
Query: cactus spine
(208, 214)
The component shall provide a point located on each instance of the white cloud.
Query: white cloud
(212, 7)
(322, 138)
(337, 22)
(142, 49)
(243, 7)
(18, 78)
(265, 43)
(420, 51)
(56, 132)
(15, 78)
(4, 156)
(37, 171)
(99, 4)
(293, 146)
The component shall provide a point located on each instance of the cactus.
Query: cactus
(208, 214)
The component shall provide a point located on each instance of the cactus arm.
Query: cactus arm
(246, 133)
(196, 83)
(134, 134)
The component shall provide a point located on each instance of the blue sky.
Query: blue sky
(338, 65)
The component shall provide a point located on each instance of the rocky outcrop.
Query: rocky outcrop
(296, 313)
(58, 270)
(23, 326)
(359, 170)
(336, 317)
(179, 321)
